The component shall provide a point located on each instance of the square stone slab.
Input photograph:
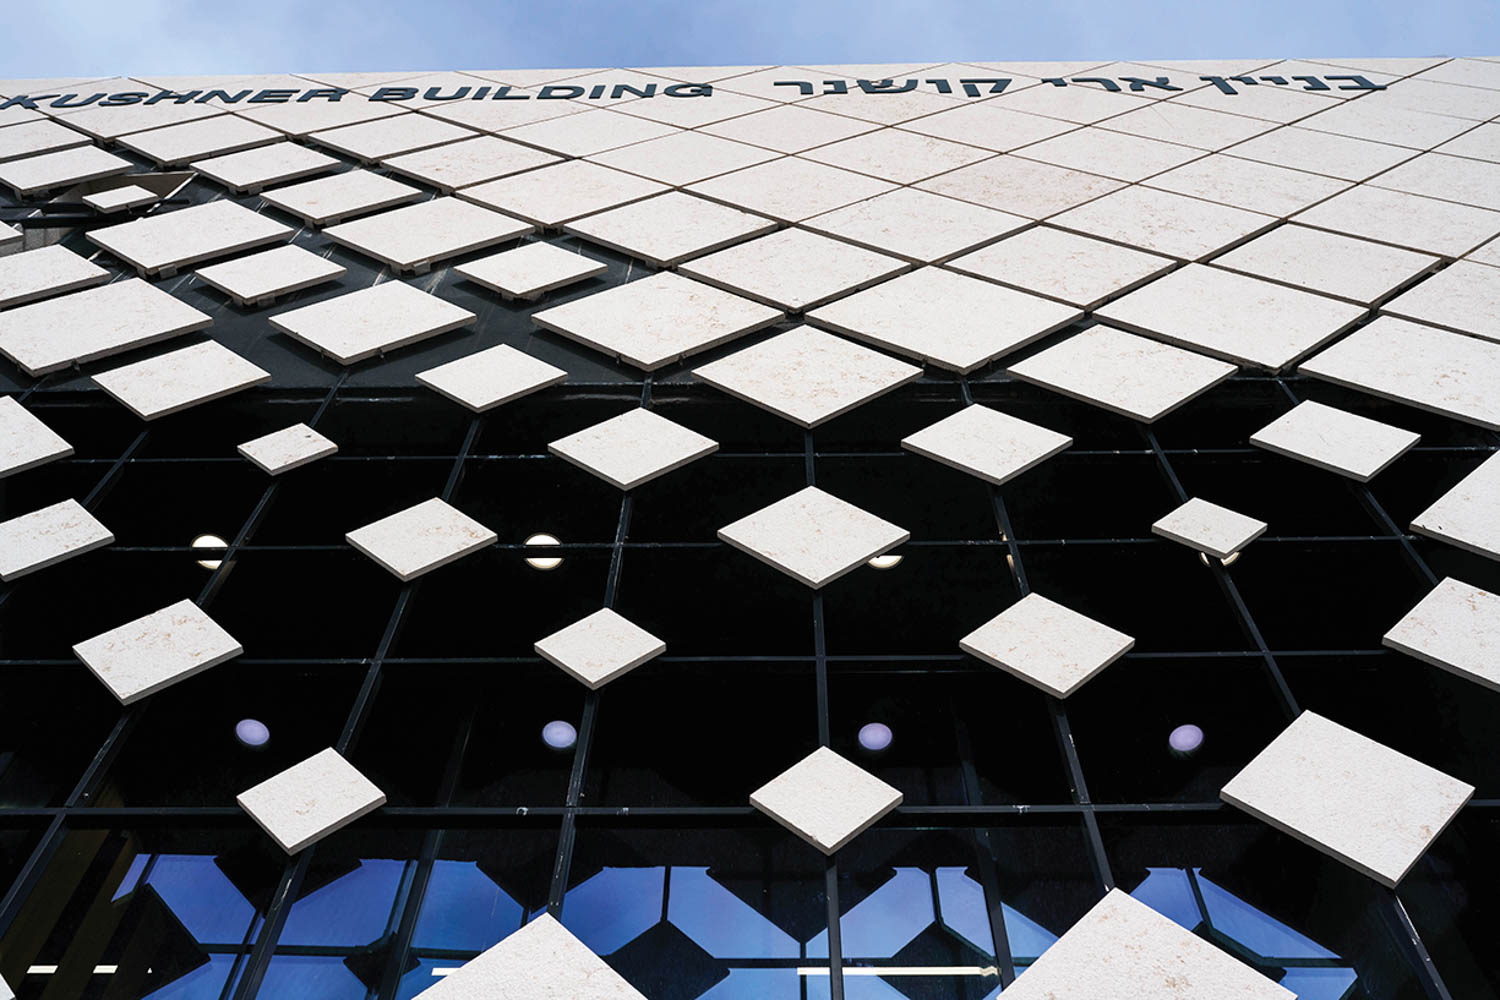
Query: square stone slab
(806, 375)
(1256, 187)
(330, 199)
(670, 228)
(1451, 178)
(683, 157)
(259, 279)
(287, 449)
(171, 382)
(1123, 373)
(120, 199)
(529, 271)
(1348, 796)
(1046, 645)
(591, 132)
(308, 801)
(916, 225)
(1468, 515)
(387, 137)
(48, 536)
(1231, 316)
(201, 139)
(633, 448)
(46, 271)
(794, 269)
(1186, 125)
(657, 320)
(253, 169)
(37, 137)
(371, 321)
(813, 536)
(420, 539)
(1455, 627)
(490, 377)
(1021, 187)
(1209, 528)
(299, 119)
(895, 155)
(85, 326)
(37, 174)
(10, 236)
(826, 800)
(599, 648)
(414, 238)
(1463, 296)
(789, 128)
(1322, 152)
(791, 189)
(989, 126)
(1123, 948)
(947, 319)
(160, 244)
(1432, 369)
(1065, 266)
(1404, 220)
(470, 161)
(1110, 154)
(1348, 268)
(1336, 440)
(540, 961)
(551, 196)
(26, 442)
(1165, 223)
(986, 443)
(156, 651)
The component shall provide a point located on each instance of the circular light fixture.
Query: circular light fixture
(887, 561)
(210, 542)
(1228, 560)
(559, 735)
(252, 733)
(1185, 740)
(543, 562)
(875, 736)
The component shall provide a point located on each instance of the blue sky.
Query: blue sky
(67, 37)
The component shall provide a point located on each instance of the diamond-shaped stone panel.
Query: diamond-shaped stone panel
(826, 800)
(1047, 645)
(633, 448)
(813, 536)
(600, 647)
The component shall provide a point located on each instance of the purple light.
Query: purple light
(252, 733)
(559, 735)
(1185, 740)
(875, 736)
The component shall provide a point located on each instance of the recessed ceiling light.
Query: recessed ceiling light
(887, 561)
(252, 733)
(559, 735)
(1228, 560)
(543, 562)
(209, 542)
(1185, 740)
(875, 736)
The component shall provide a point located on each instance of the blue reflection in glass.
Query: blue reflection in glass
(310, 977)
(351, 911)
(204, 983)
(758, 984)
(464, 910)
(720, 922)
(883, 922)
(614, 907)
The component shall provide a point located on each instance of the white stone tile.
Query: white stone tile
(541, 961)
(19, 115)
(762, 83)
(806, 375)
(1075, 269)
(10, 236)
(1487, 254)
(950, 320)
(530, 77)
(1022, 187)
(1466, 72)
(310, 800)
(813, 536)
(1122, 947)
(693, 113)
(433, 89)
(1169, 121)
(318, 116)
(1048, 646)
(197, 140)
(1209, 528)
(262, 277)
(1333, 439)
(1468, 515)
(389, 137)
(6, 993)
(36, 174)
(599, 648)
(1348, 796)
(789, 128)
(1405, 220)
(1265, 101)
(702, 74)
(1110, 154)
(1396, 66)
(340, 196)
(121, 199)
(1164, 222)
(84, 326)
(614, 86)
(1079, 104)
(794, 269)
(1378, 122)
(894, 155)
(25, 441)
(1463, 296)
(1247, 184)
(989, 126)
(289, 448)
(670, 228)
(421, 538)
(1323, 153)
(43, 272)
(1455, 627)
(683, 157)
(47, 536)
(487, 378)
(1333, 264)
(887, 109)
(1123, 373)
(986, 443)
(371, 321)
(1422, 94)
(37, 137)
(531, 270)
(108, 123)
(1450, 178)
(496, 116)
(161, 243)
(1050, 68)
(916, 225)
(655, 321)
(188, 376)
(826, 800)
(1343, 90)
(791, 189)
(1229, 315)
(633, 448)
(157, 650)
(593, 131)
(1432, 369)
(253, 169)
(471, 161)
(413, 238)
(1483, 143)
(553, 195)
